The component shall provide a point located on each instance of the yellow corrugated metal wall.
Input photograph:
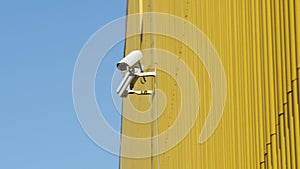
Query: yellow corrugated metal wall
(258, 44)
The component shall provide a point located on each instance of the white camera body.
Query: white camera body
(132, 59)
(133, 69)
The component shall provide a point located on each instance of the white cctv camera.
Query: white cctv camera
(128, 62)
(132, 66)
(125, 85)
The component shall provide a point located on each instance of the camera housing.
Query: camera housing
(133, 69)
(130, 60)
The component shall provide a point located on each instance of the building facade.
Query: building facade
(257, 43)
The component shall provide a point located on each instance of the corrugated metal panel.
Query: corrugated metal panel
(258, 45)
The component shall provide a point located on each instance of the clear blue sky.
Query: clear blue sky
(39, 45)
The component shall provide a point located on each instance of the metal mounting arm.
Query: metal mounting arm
(146, 74)
(141, 92)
